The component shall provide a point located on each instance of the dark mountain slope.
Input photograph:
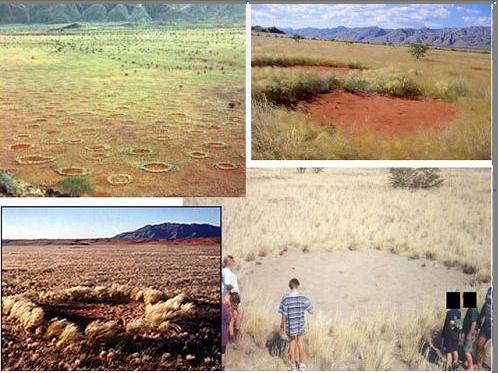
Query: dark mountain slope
(171, 231)
(106, 12)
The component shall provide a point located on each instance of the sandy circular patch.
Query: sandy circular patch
(119, 179)
(227, 166)
(216, 145)
(197, 154)
(20, 147)
(157, 167)
(72, 171)
(35, 159)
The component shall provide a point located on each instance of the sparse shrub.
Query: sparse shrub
(296, 38)
(418, 50)
(317, 170)
(415, 178)
(9, 185)
(76, 186)
(301, 170)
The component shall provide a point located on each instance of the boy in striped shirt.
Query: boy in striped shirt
(293, 308)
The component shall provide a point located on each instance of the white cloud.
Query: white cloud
(467, 10)
(351, 15)
(477, 21)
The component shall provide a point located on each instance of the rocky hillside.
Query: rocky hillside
(85, 12)
(470, 37)
(172, 231)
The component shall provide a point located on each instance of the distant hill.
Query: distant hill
(57, 13)
(272, 30)
(172, 231)
(469, 37)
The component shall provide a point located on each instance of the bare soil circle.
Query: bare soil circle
(35, 159)
(386, 114)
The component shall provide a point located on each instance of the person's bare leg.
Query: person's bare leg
(300, 346)
(292, 350)
(469, 364)
(448, 360)
(480, 345)
(455, 357)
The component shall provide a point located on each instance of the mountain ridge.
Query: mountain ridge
(476, 37)
(60, 13)
(171, 231)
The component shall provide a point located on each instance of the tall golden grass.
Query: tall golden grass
(463, 78)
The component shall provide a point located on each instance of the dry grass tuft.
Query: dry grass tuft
(101, 332)
(70, 335)
(151, 296)
(29, 315)
(163, 316)
(55, 327)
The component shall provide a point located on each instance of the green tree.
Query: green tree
(415, 178)
(418, 50)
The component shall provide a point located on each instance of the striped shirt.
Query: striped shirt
(293, 307)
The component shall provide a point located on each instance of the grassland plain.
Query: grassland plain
(289, 77)
(138, 109)
(386, 255)
(110, 305)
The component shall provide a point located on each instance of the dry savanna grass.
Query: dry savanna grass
(432, 240)
(281, 129)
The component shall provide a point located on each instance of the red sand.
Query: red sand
(380, 113)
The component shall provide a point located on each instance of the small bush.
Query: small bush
(415, 178)
(76, 186)
(9, 185)
(301, 170)
(418, 50)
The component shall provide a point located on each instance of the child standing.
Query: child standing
(451, 336)
(293, 323)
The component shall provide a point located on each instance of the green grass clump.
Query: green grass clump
(287, 89)
(287, 61)
(76, 186)
(9, 185)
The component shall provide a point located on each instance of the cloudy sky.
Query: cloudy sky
(363, 15)
(95, 222)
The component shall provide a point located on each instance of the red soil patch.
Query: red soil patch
(160, 121)
(142, 151)
(20, 147)
(379, 113)
(35, 159)
(156, 167)
(72, 171)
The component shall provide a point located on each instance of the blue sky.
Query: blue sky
(95, 222)
(363, 15)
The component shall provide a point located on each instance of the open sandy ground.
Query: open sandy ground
(352, 280)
